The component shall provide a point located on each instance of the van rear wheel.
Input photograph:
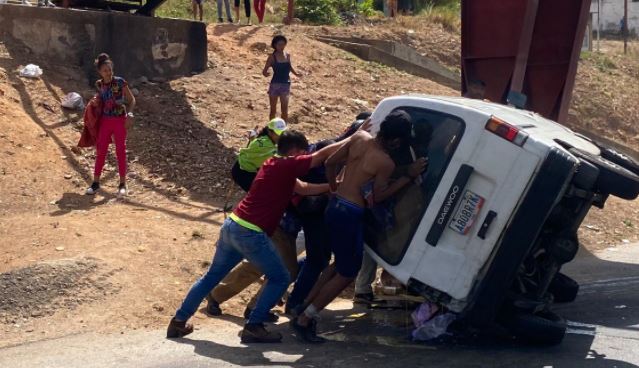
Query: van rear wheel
(620, 159)
(545, 328)
(613, 179)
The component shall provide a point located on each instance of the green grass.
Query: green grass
(446, 13)
(599, 60)
(181, 9)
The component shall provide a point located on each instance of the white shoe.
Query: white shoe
(93, 188)
(122, 190)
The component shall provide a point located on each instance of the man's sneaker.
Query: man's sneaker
(213, 308)
(95, 186)
(306, 334)
(178, 329)
(257, 333)
(271, 318)
(364, 298)
(122, 189)
(220, 20)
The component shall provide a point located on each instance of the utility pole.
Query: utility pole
(598, 23)
(625, 26)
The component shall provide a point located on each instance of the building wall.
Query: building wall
(140, 46)
(612, 13)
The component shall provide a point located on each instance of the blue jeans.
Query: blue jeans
(345, 221)
(236, 243)
(318, 255)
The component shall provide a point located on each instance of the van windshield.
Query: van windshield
(390, 225)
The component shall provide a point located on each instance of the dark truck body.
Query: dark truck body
(525, 52)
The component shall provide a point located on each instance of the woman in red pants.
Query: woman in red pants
(117, 114)
(260, 9)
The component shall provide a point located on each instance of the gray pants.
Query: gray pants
(227, 5)
(366, 275)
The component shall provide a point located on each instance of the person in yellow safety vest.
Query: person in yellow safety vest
(260, 149)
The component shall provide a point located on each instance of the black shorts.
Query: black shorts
(241, 177)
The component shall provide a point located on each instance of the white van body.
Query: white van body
(499, 174)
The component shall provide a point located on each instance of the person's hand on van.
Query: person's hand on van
(366, 125)
(417, 167)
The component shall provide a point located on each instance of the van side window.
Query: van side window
(390, 226)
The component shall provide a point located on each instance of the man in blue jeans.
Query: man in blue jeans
(245, 235)
(366, 158)
(318, 251)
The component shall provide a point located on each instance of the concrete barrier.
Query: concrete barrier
(139, 46)
(398, 56)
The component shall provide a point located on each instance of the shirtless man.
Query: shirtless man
(366, 159)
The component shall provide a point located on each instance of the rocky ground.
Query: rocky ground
(113, 264)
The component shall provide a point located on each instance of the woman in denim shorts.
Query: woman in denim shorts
(280, 87)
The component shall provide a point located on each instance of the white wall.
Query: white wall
(612, 12)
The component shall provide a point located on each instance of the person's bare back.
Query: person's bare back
(366, 158)
(364, 161)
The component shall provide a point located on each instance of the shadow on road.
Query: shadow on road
(598, 328)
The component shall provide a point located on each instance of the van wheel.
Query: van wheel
(545, 328)
(563, 288)
(620, 159)
(613, 179)
(586, 175)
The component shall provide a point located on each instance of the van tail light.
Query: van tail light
(506, 131)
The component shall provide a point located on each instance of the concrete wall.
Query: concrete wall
(612, 12)
(139, 46)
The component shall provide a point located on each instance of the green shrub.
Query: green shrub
(366, 8)
(317, 11)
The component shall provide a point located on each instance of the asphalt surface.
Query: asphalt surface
(603, 332)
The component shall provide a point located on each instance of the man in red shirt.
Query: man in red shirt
(245, 235)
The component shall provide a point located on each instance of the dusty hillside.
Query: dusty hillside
(125, 264)
(606, 90)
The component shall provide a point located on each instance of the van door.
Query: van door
(475, 177)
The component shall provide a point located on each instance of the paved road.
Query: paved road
(604, 332)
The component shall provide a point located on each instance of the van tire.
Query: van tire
(586, 175)
(613, 179)
(541, 329)
(563, 288)
(620, 159)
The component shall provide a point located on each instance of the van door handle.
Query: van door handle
(486, 224)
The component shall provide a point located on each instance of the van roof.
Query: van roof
(529, 121)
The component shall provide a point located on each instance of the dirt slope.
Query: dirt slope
(129, 262)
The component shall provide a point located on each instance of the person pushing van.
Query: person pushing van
(366, 158)
(245, 235)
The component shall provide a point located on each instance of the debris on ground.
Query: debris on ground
(73, 101)
(31, 71)
(431, 322)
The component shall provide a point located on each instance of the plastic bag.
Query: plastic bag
(31, 71)
(73, 101)
(434, 328)
(424, 313)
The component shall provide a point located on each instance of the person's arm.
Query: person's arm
(337, 158)
(293, 69)
(130, 99)
(321, 156)
(306, 189)
(130, 105)
(269, 63)
(381, 189)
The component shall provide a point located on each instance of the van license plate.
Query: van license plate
(467, 211)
